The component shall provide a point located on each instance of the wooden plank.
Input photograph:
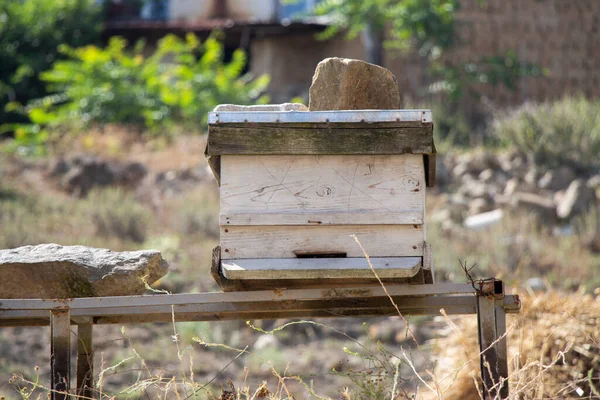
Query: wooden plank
(214, 163)
(223, 139)
(428, 270)
(330, 189)
(238, 242)
(258, 218)
(321, 268)
(250, 285)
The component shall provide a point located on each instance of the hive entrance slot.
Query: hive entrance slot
(320, 254)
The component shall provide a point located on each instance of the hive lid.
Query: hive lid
(345, 116)
(256, 131)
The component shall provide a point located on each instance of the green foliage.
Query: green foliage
(504, 70)
(450, 128)
(176, 86)
(428, 23)
(565, 131)
(353, 16)
(429, 27)
(30, 33)
(195, 214)
(115, 213)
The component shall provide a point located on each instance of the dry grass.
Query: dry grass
(554, 350)
(553, 344)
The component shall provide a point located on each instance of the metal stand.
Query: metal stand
(60, 353)
(85, 359)
(491, 319)
(486, 299)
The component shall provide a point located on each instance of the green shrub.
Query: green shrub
(115, 213)
(108, 218)
(176, 86)
(450, 129)
(30, 33)
(565, 131)
(198, 212)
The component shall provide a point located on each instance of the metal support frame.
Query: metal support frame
(85, 359)
(60, 353)
(488, 301)
(491, 318)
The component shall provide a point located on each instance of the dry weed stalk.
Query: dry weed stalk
(554, 347)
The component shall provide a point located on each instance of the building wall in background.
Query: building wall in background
(239, 10)
(560, 35)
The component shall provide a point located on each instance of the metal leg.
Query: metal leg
(60, 353)
(502, 350)
(85, 359)
(494, 365)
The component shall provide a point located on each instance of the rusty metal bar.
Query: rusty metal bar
(85, 359)
(502, 350)
(492, 305)
(486, 318)
(242, 297)
(60, 353)
(332, 307)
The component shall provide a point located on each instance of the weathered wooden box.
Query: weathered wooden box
(297, 188)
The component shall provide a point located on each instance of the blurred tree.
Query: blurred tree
(429, 27)
(112, 85)
(30, 33)
(426, 24)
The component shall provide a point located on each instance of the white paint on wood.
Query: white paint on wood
(334, 218)
(321, 268)
(238, 242)
(373, 187)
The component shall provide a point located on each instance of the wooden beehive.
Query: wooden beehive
(297, 187)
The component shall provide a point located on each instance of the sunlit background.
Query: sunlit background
(103, 112)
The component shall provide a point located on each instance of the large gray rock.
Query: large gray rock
(54, 271)
(346, 84)
(578, 198)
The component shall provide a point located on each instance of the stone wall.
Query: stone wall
(560, 35)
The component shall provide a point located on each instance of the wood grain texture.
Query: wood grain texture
(334, 218)
(321, 268)
(238, 242)
(224, 139)
(429, 160)
(321, 190)
(339, 283)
